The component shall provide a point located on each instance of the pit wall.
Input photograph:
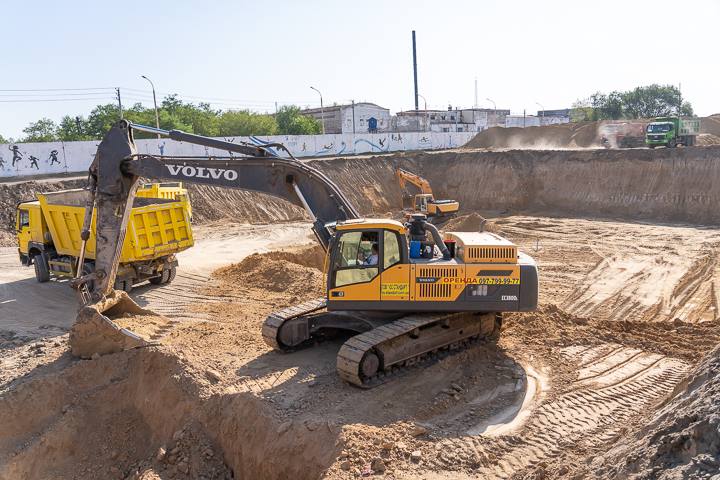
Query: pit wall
(674, 185)
(71, 157)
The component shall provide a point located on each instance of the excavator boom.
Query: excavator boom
(118, 167)
(113, 181)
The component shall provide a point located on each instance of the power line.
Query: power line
(33, 95)
(56, 100)
(53, 89)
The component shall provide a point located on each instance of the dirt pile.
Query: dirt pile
(146, 414)
(212, 203)
(274, 273)
(562, 136)
(682, 440)
(472, 222)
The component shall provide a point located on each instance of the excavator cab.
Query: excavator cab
(421, 203)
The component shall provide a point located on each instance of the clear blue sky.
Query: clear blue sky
(252, 54)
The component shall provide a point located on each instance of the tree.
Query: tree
(653, 101)
(243, 122)
(3, 140)
(642, 102)
(582, 111)
(72, 129)
(101, 118)
(44, 130)
(291, 122)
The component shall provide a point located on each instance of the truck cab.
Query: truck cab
(32, 231)
(671, 131)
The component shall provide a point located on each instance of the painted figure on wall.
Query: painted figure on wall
(53, 158)
(2, 163)
(33, 162)
(161, 147)
(17, 156)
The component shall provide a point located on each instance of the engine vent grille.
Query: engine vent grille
(438, 272)
(434, 290)
(491, 254)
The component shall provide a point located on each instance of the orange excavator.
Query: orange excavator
(422, 200)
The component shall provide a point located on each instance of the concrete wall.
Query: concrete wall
(29, 159)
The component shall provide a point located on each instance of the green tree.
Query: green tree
(582, 111)
(44, 130)
(654, 101)
(291, 122)
(243, 122)
(3, 140)
(101, 118)
(72, 129)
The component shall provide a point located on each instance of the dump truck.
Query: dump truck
(422, 199)
(404, 292)
(49, 235)
(672, 131)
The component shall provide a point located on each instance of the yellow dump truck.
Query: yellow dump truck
(48, 232)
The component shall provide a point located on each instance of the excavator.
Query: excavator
(423, 202)
(406, 294)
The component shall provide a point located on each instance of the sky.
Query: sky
(239, 54)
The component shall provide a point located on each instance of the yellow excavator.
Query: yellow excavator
(423, 201)
(406, 293)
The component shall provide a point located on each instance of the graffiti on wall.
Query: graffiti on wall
(75, 157)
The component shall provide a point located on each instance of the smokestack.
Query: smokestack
(415, 70)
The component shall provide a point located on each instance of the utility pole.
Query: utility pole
(523, 118)
(117, 91)
(79, 127)
(415, 70)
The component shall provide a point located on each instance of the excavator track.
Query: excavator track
(371, 358)
(275, 321)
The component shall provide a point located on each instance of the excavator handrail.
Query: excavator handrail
(117, 168)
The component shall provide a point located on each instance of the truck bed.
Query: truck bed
(157, 227)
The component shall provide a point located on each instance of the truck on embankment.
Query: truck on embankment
(48, 234)
(671, 132)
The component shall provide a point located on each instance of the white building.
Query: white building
(450, 120)
(360, 117)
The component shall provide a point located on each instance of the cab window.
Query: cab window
(391, 249)
(23, 219)
(357, 258)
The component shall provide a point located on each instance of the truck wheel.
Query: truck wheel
(671, 144)
(42, 268)
(124, 285)
(162, 278)
(171, 274)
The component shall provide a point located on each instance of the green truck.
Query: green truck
(671, 132)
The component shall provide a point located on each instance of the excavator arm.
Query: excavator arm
(117, 168)
(405, 177)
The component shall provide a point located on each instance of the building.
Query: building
(362, 117)
(450, 120)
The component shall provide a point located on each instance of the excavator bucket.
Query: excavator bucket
(98, 328)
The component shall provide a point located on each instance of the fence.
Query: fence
(27, 159)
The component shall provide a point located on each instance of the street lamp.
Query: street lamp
(157, 117)
(426, 110)
(322, 109)
(543, 109)
(494, 110)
